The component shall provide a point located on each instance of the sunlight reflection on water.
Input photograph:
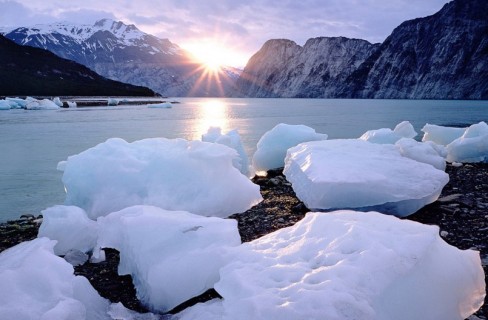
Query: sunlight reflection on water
(211, 113)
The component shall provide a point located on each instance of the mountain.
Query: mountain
(124, 53)
(281, 68)
(32, 71)
(442, 56)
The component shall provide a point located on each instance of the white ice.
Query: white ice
(348, 265)
(440, 134)
(272, 147)
(426, 152)
(70, 226)
(44, 104)
(172, 256)
(174, 174)
(58, 102)
(472, 146)
(163, 105)
(36, 284)
(71, 104)
(232, 140)
(5, 105)
(387, 136)
(112, 102)
(341, 174)
(21, 103)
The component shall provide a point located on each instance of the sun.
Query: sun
(213, 54)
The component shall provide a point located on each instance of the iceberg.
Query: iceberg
(163, 105)
(426, 152)
(171, 256)
(347, 265)
(112, 102)
(5, 105)
(71, 104)
(387, 136)
(37, 284)
(58, 102)
(472, 146)
(21, 103)
(177, 174)
(232, 140)
(44, 104)
(345, 174)
(440, 134)
(272, 147)
(71, 227)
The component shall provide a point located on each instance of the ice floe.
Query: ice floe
(340, 174)
(176, 174)
(440, 134)
(426, 152)
(162, 105)
(272, 147)
(387, 136)
(472, 146)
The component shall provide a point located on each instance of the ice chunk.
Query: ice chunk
(162, 105)
(119, 312)
(70, 226)
(387, 136)
(422, 151)
(75, 257)
(348, 265)
(71, 104)
(21, 103)
(58, 102)
(232, 140)
(44, 104)
(172, 256)
(36, 284)
(441, 135)
(5, 105)
(112, 102)
(174, 174)
(340, 174)
(272, 147)
(472, 146)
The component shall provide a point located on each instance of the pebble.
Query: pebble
(444, 233)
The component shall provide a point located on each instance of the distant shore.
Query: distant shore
(461, 212)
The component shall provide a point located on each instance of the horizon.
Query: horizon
(231, 31)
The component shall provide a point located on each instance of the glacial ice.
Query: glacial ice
(387, 136)
(112, 102)
(472, 146)
(163, 105)
(36, 284)
(173, 174)
(440, 134)
(70, 226)
(347, 265)
(58, 102)
(345, 174)
(172, 256)
(272, 147)
(72, 104)
(232, 140)
(426, 152)
(5, 105)
(44, 104)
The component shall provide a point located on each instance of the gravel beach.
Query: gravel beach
(461, 212)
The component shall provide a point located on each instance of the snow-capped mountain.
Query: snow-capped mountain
(122, 52)
(443, 56)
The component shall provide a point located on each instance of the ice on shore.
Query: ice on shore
(345, 174)
(162, 105)
(171, 256)
(472, 146)
(173, 174)
(348, 265)
(71, 227)
(426, 152)
(37, 284)
(387, 136)
(440, 134)
(272, 147)
(232, 140)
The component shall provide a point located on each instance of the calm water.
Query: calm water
(33, 142)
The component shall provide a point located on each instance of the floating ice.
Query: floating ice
(441, 135)
(340, 174)
(472, 146)
(70, 226)
(44, 104)
(387, 136)
(71, 104)
(21, 103)
(5, 105)
(232, 140)
(272, 147)
(36, 284)
(112, 102)
(172, 256)
(426, 152)
(160, 105)
(348, 265)
(58, 102)
(174, 174)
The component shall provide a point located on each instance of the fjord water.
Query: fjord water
(33, 142)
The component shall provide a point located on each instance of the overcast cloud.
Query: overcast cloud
(242, 24)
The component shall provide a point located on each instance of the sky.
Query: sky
(238, 27)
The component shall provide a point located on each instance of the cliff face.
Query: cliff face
(284, 69)
(443, 56)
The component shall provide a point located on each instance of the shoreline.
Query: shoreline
(461, 212)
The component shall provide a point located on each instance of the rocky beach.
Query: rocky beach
(461, 212)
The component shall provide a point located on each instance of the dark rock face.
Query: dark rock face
(443, 56)
(124, 53)
(31, 71)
